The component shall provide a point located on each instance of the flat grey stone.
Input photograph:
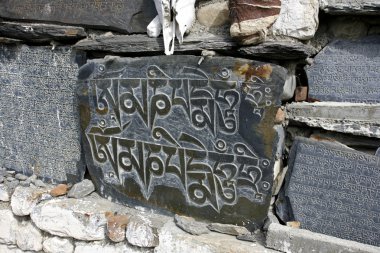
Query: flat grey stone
(353, 118)
(21, 177)
(45, 100)
(41, 32)
(287, 239)
(39, 183)
(81, 189)
(140, 232)
(228, 229)
(350, 7)
(190, 225)
(247, 238)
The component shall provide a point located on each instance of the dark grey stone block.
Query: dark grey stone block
(193, 139)
(351, 7)
(347, 71)
(130, 16)
(334, 190)
(39, 123)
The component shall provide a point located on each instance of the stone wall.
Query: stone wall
(268, 112)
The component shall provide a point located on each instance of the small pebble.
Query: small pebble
(25, 183)
(21, 177)
(11, 173)
(39, 183)
(32, 178)
(1, 179)
(10, 179)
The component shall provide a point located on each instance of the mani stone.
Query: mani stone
(198, 140)
(334, 190)
(347, 71)
(131, 16)
(39, 121)
(250, 19)
(350, 7)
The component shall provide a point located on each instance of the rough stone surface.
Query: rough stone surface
(366, 7)
(250, 19)
(298, 19)
(353, 118)
(228, 229)
(282, 50)
(59, 190)
(190, 225)
(245, 94)
(80, 219)
(108, 248)
(58, 245)
(41, 32)
(81, 189)
(140, 232)
(24, 199)
(4, 195)
(28, 237)
(46, 142)
(346, 71)
(331, 189)
(116, 226)
(213, 14)
(174, 239)
(288, 239)
(21, 177)
(11, 249)
(9, 226)
(348, 28)
(126, 16)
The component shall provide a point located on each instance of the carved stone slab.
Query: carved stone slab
(130, 16)
(347, 71)
(335, 190)
(192, 139)
(39, 123)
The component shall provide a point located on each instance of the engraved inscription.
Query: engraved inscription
(332, 185)
(178, 126)
(38, 116)
(121, 15)
(347, 71)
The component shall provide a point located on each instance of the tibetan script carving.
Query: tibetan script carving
(347, 71)
(39, 123)
(335, 190)
(192, 139)
(130, 16)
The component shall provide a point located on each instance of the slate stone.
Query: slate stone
(167, 133)
(352, 118)
(190, 225)
(81, 189)
(346, 71)
(228, 229)
(350, 7)
(130, 16)
(334, 190)
(38, 113)
(41, 32)
(282, 50)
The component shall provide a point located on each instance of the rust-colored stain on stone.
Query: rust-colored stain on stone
(249, 71)
(71, 32)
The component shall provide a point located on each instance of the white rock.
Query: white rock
(140, 232)
(4, 196)
(96, 247)
(9, 225)
(24, 199)
(78, 218)
(28, 237)
(290, 83)
(298, 19)
(154, 28)
(58, 245)
(11, 249)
